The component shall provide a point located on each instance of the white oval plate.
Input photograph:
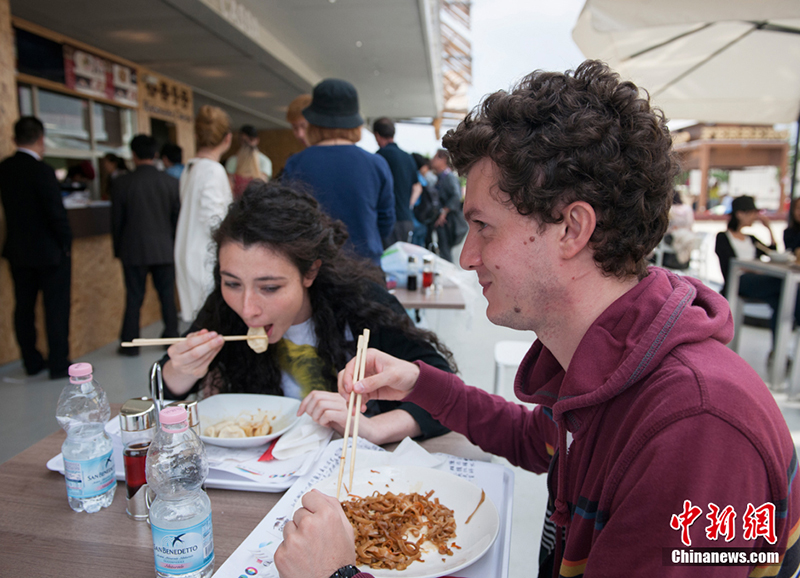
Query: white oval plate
(456, 493)
(779, 257)
(224, 406)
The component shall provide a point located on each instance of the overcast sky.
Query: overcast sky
(510, 38)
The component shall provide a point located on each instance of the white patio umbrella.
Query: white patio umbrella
(711, 60)
(724, 61)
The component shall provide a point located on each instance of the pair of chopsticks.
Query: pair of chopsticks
(361, 363)
(144, 342)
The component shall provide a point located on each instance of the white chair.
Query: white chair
(699, 260)
(659, 252)
(745, 307)
(695, 263)
(508, 354)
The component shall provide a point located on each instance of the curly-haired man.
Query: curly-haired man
(655, 436)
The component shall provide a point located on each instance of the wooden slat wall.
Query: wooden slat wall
(98, 301)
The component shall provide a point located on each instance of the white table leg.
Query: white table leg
(733, 302)
(784, 330)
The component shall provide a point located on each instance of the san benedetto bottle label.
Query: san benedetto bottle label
(89, 478)
(185, 550)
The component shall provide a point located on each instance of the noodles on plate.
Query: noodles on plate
(390, 529)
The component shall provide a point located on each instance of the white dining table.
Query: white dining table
(790, 276)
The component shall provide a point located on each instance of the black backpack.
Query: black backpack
(428, 207)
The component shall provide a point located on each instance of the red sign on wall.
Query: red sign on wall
(95, 76)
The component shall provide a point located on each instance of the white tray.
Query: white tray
(256, 552)
(282, 473)
(216, 479)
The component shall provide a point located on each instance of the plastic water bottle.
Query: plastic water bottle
(88, 462)
(180, 516)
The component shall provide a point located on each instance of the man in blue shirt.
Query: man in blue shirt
(351, 184)
(172, 157)
(406, 183)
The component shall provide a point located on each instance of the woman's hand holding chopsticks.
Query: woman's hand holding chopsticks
(328, 408)
(190, 358)
(385, 377)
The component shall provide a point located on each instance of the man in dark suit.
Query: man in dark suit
(37, 247)
(144, 214)
(407, 188)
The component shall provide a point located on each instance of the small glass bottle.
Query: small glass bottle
(413, 271)
(427, 271)
(137, 419)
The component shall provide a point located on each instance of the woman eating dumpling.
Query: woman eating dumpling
(281, 267)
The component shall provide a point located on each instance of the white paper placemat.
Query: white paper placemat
(254, 556)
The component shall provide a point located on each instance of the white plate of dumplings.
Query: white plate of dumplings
(245, 420)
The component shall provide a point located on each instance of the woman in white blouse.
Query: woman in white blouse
(734, 244)
(205, 196)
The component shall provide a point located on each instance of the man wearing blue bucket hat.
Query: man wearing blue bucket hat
(351, 184)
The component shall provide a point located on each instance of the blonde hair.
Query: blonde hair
(316, 134)
(247, 162)
(295, 110)
(211, 126)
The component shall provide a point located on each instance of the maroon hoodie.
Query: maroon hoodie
(666, 424)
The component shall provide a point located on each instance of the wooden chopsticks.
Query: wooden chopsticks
(358, 375)
(144, 342)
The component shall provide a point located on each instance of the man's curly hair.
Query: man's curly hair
(580, 136)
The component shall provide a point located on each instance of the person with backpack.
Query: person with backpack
(426, 207)
(450, 226)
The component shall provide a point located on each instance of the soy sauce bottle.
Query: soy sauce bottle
(413, 271)
(137, 427)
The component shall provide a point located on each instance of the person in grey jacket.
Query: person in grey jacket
(447, 228)
(144, 212)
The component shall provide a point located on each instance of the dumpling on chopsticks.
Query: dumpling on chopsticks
(258, 345)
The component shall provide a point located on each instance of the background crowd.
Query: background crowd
(164, 208)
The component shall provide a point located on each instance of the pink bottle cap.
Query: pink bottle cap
(173, 415)
(80, 369)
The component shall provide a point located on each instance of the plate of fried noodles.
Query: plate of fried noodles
(413, 522)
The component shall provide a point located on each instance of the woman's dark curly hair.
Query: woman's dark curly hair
(291, 223)
(580, 136)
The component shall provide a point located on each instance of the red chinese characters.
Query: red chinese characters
(757, 522)
(760, 522)
(722, 522)
(684, 520)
